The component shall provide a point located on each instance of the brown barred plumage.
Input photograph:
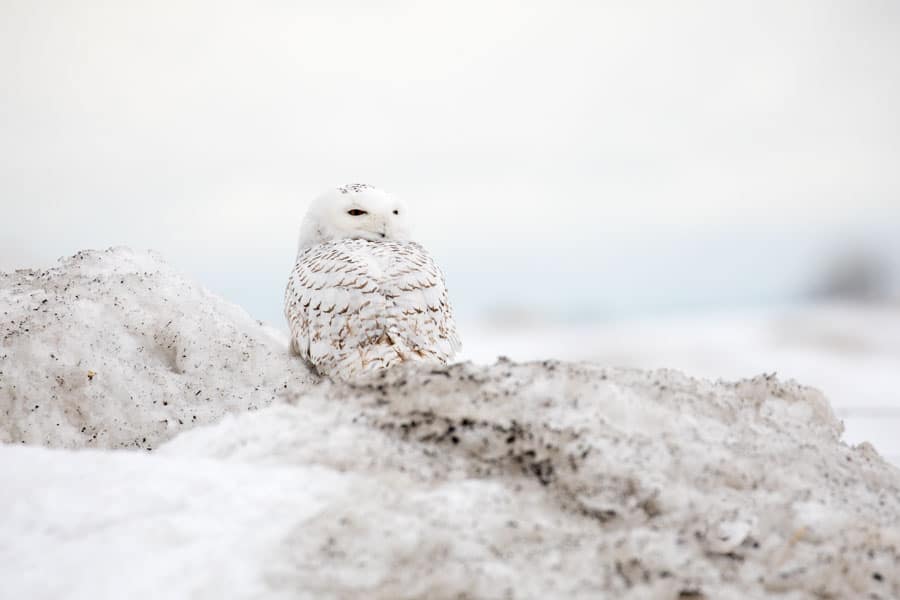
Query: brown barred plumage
(355, 306)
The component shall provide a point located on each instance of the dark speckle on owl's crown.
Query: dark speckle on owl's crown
(355, 188)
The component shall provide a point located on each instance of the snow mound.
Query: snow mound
(116, 349)
(531, 480)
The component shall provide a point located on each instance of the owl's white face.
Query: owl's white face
(354, 211)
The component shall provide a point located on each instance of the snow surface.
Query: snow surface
(115, 349)
(849, 351)
(514, 480)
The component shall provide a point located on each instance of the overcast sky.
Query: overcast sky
(513, 129)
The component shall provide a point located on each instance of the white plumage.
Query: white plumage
(361, 296)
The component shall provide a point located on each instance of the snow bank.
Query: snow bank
(535, 480)
(115, 349)
(849, 351)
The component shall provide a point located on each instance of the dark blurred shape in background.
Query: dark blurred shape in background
(856, 274)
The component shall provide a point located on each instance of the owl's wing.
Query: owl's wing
(422, 318)
(330, 301)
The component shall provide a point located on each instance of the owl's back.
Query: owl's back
(355, 306)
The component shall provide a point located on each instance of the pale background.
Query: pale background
(638, 183)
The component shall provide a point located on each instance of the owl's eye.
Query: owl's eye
(356, 212)
(396, 212)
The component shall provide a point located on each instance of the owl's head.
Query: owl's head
(352, 211)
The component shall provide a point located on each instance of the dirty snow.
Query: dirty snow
(849, 351)
(115, 349)
(514, 480)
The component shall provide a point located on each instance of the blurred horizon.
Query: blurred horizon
(619, 277)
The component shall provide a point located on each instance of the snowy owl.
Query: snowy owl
(362, 297)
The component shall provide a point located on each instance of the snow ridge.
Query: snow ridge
(115, 349)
